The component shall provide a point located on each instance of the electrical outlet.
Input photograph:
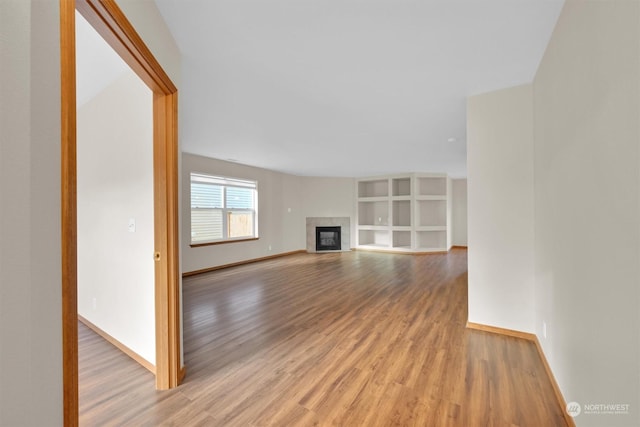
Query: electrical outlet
(269, 247)
(544, 330)
(94, 303)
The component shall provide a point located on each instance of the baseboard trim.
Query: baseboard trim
(459, 247)
(123, 348)
(502, 331)
(391, 251)
(563, 403)
(235, 264)
(533, 338)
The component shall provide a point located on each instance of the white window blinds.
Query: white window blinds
(222, 208)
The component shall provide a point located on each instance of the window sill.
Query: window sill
(222, 242)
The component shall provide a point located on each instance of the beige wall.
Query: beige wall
(115, 184)
(329, 197)
(284, 202)
(459, 212)
(587, 214)
(30, 255)
(500, 208)
(148, 22)
(279, 230)
(583, 174)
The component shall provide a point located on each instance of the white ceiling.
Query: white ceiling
(348, 87)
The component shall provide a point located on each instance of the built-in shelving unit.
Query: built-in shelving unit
(404, 213)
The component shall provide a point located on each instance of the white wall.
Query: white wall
(459, 211)
(587, 251)
(500, 207)
(30, 255)
(115, 184)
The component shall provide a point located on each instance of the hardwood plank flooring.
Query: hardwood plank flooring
(344, 339)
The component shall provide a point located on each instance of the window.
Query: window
(223, 209)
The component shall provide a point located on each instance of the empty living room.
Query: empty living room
(307, 213)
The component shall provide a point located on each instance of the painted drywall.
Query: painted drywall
(459, 211)
(115, 186)
(284, 203)
(500, 208)
(280, 226)
(30, 259)
(450, 230)
(329, 197)
(30, 246)
(149, 24)
(587, 215)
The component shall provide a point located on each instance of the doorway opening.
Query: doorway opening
(114, 146)
(109, 21)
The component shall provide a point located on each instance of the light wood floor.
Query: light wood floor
(346, 339)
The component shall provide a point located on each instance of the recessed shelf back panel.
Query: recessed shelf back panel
(374, 238)
(373, 213)
(431, 239)
(401, 186)
(432, 186)
(432, 212)
(402, 239)
(402, 213)
(377, 188)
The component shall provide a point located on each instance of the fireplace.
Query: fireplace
(343, 224)
(328, 239)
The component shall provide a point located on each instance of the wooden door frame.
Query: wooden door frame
(107, 18)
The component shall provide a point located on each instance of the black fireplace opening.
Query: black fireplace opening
(328, 239)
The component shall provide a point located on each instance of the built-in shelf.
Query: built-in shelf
(432, 213)
(376, 238)
(401, 186)
(404, 213)
(401, 212)
(431, 186)
(373, 188)
(432, 228)
(374, 199)
(373, 227)
(431, 240)
(373, 213)
(431, 197)
(402, 239)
